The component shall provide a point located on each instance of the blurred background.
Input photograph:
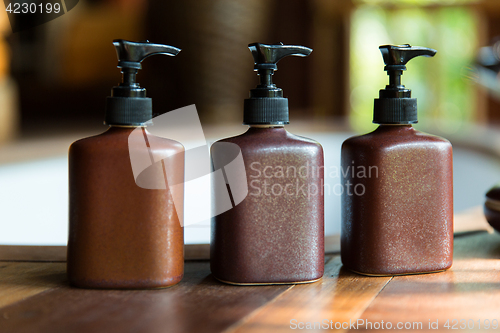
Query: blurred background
(54, 79)
(65, 68)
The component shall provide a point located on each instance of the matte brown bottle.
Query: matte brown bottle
(397, 203)
(121, 234)
(276, 234)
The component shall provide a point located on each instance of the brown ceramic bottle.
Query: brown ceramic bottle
(397, 204)
(276, 234)
(122, 235)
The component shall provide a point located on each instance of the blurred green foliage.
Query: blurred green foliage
(444, 95)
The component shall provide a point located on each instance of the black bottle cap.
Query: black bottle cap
(128, 104)
(395, 105)
(266, 105)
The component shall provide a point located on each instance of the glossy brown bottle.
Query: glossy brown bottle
(124, 229)
(397, 203)
(276, 234)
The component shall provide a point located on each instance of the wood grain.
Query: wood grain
(35, 297)
(32, 253)
(19, 281)
(197, 251)
(58, 253)
(339, 297)
(469, 290)
(197, 304)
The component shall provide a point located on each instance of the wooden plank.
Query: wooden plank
(197, 252)
(19, 281)
(34, 297)
(470, 290)
(32, 253)
(197, 304)
(58, 253)
(339, 297)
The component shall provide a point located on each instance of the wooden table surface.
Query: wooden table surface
(35, 297)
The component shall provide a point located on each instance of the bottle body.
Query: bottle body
(276, 234)
(397, 206)
(122, 235)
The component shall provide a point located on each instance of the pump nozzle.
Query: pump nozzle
(265, 58)
(399, 55)
(128, 104)
(131, 54)
(395, 105)
(266, 105)
(395, 58)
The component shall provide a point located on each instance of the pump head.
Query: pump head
(130, 55)
(128, 104)
(395, 105)
(266, 105)
(265, 58)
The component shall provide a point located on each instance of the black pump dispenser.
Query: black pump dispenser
(128, 104)
(266, 105)
(395, 105)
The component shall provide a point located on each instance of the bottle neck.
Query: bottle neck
(266, 126)
(127, 126)
(395, 125)
(396, 129)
